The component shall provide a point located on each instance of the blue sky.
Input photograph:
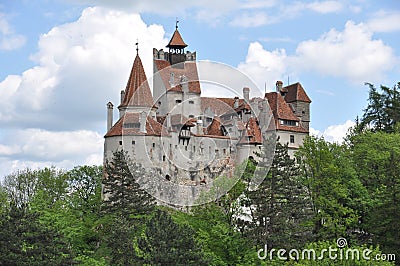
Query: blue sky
(61, 61)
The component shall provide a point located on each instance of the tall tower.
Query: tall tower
(176, 48)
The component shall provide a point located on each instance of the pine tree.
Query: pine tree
(383, 110)
(168, 243)
(122, 193)
(280, 206)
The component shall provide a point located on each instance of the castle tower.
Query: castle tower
(137, 96)
(176, 86)
(176, 48)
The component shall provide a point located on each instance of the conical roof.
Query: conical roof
(176, 40)
(137, 91)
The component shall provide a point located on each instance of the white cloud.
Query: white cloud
(38, 148)
(247, 20)
(322, 7)
(334, 133)
(325, 6)
(264, 66)
(352, 54)
(8, 39)
(385, 21)
(80, 66)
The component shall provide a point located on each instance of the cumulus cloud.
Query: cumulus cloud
(247, 20)
(9, 40)
(384, 21)
(38, 148)
(352, 54)
(264, 66)
(80, 66)
(334, 133)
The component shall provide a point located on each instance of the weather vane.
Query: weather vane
(176, 23)
(137, 46)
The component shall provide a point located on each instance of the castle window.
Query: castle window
(133, 142)
(178, 101)
(163, 158)
(291, 138)
(289, 123)
(154, 145)
(159, 103)
(191, 102)
(120, 142)
(191, 116)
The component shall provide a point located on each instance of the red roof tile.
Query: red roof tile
(176, 40)
(137, 92)
(252, 134)
(189, 70)
(179, 119)
(295, 92)
(282, 111)
(219, 106)
(215, 128)
(280, 108)
(129, 125)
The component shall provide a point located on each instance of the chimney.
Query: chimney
(279, 86)
(199, 127)
(246, 94)
(142, 121)
(122, 95)
(110, 107)
(172, 79)
(236, 104)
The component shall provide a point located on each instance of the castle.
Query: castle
(189, 138)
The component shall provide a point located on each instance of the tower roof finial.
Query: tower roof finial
(137, 46)
(176, 23)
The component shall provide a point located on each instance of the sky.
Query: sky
(61, 61)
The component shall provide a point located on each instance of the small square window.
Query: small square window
(291, 138)
(120, 142)
(191, 116)
(178, 101)
(191, 102)
(133, 142)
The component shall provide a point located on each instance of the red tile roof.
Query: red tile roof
(295, 92)
(219, 106)
(153, 128)
(282, 111)
(179, 119)
(176, 40)
(189, 70)
(252, 134)
(280, 107)
(215, 128)
(137, 91)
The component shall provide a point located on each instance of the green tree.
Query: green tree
(168, 243)
(122, 192)
(25, 241)
(377, 160)
(383, 110)
(280, 207)
(126, 207)
(338, 197)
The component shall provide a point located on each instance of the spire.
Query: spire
(137, 92)
(176, 40)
